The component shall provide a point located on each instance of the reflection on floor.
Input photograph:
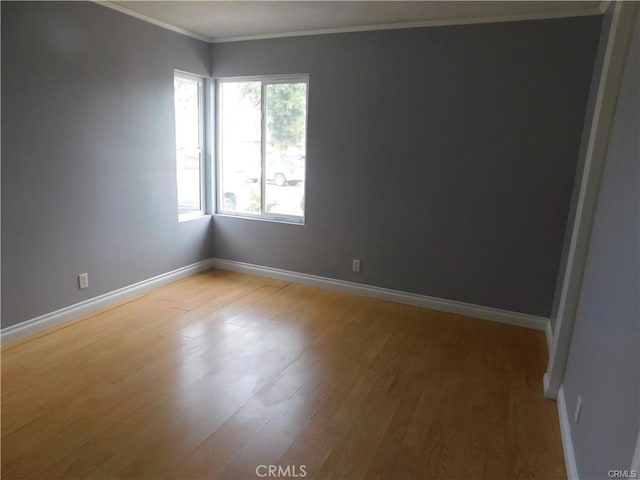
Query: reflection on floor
(221, 374)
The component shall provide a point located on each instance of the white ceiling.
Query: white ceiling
(233, 20)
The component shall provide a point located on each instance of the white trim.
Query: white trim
(549, 334)
(199, 81)
(145, 18)
(35, 325)
(190, 216)
(210, 121)
(565, 433)
(545, 387)
(422, 24)
(613, 65)
(635, 461)
(264, 80)
(433, 303)
(366, 28)
(43, 322)
(604, 6)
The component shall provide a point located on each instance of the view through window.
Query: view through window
(262, 147)
(188, 91)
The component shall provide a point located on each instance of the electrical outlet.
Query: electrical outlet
(356, 265)
(83, 280)
(576, 412)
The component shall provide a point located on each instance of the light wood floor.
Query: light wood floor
(217, 374)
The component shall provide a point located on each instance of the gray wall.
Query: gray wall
(88, 154)
(444, 158)
(604, 359)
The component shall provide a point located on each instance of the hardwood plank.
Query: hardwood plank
(213, 375)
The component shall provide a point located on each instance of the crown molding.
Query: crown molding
(422, 24)
(145, 18)
(604, 6)
(600, 10)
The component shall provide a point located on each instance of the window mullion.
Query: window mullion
(201, 144)
(263, 148)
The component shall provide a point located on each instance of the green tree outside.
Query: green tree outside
(285, 111)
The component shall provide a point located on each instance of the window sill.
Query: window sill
(285, 220)
(187, 217)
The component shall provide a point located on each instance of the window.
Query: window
(189, 106)
(262, 130)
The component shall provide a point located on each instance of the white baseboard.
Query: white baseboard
(635, 461)
(49, 320)
(43, 322)
(565, 432)
(549, 334)
(451, 306)
(547, 392)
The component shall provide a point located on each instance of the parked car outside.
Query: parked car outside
(239, 193)
(285, 169)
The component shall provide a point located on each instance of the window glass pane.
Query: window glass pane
(285, 119)
(187, 99)
(240, 146)
(189, 195)
(188, 104)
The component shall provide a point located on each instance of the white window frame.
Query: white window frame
(264, 81)
(202, 141)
